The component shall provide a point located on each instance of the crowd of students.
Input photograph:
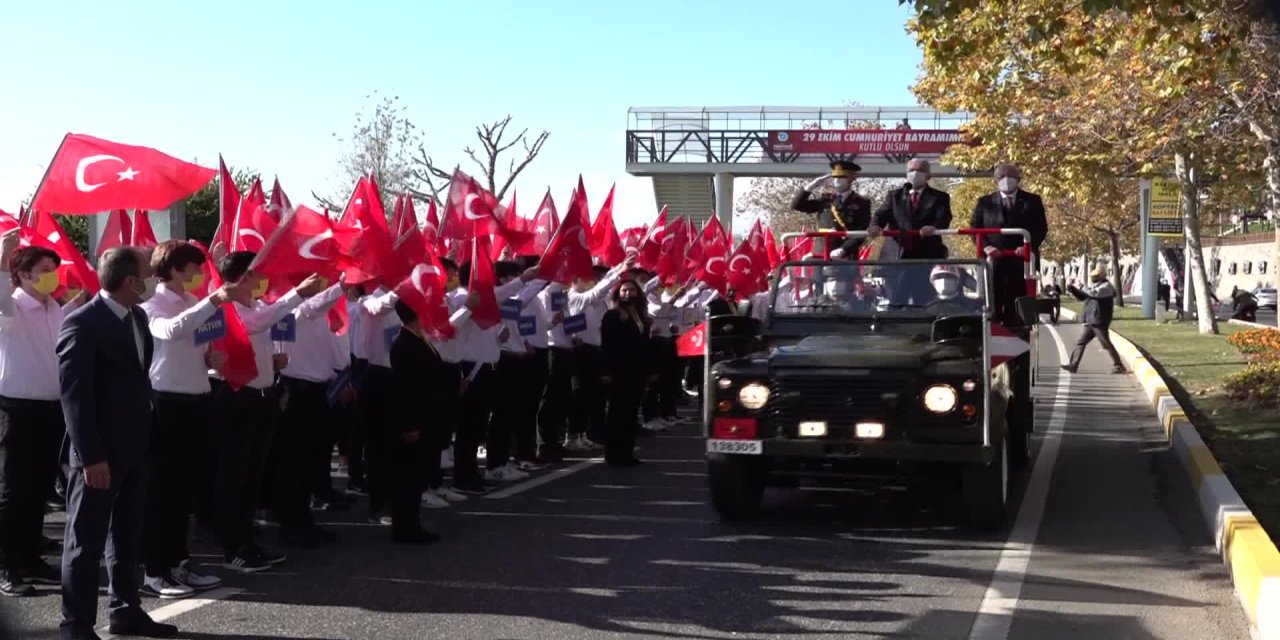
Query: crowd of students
(569, 369)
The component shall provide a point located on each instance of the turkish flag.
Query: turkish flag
(303, 244)
(280, 206)
(253, 222)
(568, 255)
(7, 222)
(513, 221)
(228, 206)
(631, 239)
(89, 175)
(46, 232)
(605, 242)
(749, 263)
(397, 218)
(693, 343)
(366, 244)
(771, 249)
(486, 313)
(118, 231)
(423, 291)
(545, 223)
(431, 229)
(709, 255)
(651, 245)
(675, 246)
(240, 367)
(143, 235)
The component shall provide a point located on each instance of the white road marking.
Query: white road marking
(995, 613)
(187, 605)
(551, 476)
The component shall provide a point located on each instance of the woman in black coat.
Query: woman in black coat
(626, 348)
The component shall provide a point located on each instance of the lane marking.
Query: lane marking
(550, 476)
(187, 605)
(995, 613)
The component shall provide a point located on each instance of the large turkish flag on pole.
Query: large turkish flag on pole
(89, 175)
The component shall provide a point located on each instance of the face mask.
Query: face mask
(842, 184)
(261, 289)
(917, 178)
(46, 283)
(148, 288)
(194, 283)
(1008, 185)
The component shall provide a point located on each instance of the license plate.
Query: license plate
(740, 447)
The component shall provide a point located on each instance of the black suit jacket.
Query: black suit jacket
(106, 391)
(851, 214)
(932, 210)
(1027, 213)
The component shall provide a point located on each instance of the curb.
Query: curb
(1244, 545)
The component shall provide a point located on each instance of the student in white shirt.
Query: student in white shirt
(351, 440)
(245, 418)
(659, 407)
(302, 432)
(588, 398)
(183, 434)
(31, 422)
(379, 327)
(511, 373)
(528, 395)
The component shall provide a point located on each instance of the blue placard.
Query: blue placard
(213, 328)
(528, 325)
(286, 330)
(511, 309)
(559, 300)
(390, 334)
(575, 324)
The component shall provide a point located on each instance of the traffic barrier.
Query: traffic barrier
(1246, 549)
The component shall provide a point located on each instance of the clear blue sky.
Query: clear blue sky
(267, 83)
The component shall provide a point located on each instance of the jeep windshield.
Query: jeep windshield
(909, 289)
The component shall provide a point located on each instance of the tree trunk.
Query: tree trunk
(1114, 239)
(1199, 285)
(1271, 167)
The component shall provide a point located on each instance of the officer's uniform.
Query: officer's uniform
(850, 212)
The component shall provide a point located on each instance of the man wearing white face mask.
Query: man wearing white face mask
(1009, 207)
(841, 210)
(914, 207)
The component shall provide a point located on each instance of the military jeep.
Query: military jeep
(864, 366)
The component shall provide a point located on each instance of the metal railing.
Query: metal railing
(764, 118)
(728, 147)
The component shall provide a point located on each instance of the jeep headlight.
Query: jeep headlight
(940, 398)
(753, 395)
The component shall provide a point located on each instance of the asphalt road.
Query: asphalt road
(1107, 544)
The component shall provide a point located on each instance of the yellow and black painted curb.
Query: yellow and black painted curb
(1246, 549)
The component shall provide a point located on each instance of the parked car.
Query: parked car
(1266, 297)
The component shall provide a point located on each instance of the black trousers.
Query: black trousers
(660, 397)
(406, 481)
(437, 437)
(554, 410)
(587, 404)
(625, 395)
(31, 432)
(181, 426)
(299, 440)
(376, 423)
(244, 422)
(1007, 285)
(1104, 338)
(910, 285)
(529, 397)
(101, 521)
(477, 408)
(352, 428)
(330, 433)
(512, 372)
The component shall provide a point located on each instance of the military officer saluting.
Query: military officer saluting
(840, 210)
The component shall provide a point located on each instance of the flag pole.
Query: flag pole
(36, 197)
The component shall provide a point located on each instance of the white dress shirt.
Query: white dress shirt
(480, 346)
(661, 309)
(122, 312)
(451, 350)
(542, 317)
(173, 315)
(516, 343)
(355, 331)
(578, 303)
(312, 356)
(258, 321)
(377, 318)
(28, 344)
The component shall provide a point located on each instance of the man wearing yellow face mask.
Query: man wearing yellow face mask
(244, 418)
(31, 424)
(183, 435)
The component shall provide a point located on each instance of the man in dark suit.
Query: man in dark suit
(1009, 207)
(914, 207)
(841, 210)
(104, 353)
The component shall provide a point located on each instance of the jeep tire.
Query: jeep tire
(737, 485)
(985, 491)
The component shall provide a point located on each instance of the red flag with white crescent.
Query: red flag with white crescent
(692, 343)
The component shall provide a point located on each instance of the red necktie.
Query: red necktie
(915, 197)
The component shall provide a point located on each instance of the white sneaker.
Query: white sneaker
(194, 578)
(430, 500)
(482, 453)
(166, 588)
(450, 495)
(505, 474)
(574, 444)
(446, 459)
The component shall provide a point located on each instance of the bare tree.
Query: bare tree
(380, 144)
(493, 144)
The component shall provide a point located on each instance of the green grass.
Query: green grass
(1246, 442)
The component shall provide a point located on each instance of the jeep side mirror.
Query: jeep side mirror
(1028, 310)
